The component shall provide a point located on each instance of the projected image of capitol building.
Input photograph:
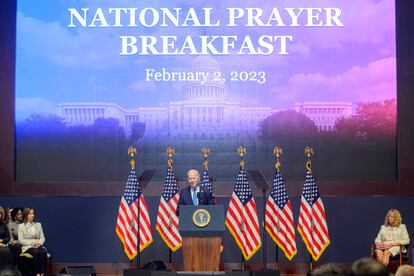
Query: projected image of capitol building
(206, 112)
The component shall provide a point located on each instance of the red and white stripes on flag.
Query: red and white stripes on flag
(127, 222)
(241, 219)
(167, 219)
(279, 218)
(312, 225)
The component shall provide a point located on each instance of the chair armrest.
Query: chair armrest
(372, 251)
(407, 253)
(406, 247)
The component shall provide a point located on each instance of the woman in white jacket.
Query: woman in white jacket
(31, 238)
(391, 235)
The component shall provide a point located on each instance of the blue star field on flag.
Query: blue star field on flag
(310, 190)
(170, 185)
(242, 188)
(132, 189)
(205, 183)
(278, 192)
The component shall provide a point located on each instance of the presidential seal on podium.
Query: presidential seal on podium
(201, 218)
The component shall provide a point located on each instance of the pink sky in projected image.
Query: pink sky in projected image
(352, 63)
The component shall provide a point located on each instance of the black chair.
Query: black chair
(26, 265)
(404, 257)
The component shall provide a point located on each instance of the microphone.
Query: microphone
(200, 197)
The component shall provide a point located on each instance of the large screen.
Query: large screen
(95, 77)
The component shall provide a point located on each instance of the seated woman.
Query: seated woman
(9, 211)
(31, 238)
(16, 217)
(391, 235)
(6, 257)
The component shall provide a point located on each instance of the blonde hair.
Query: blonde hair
(398, 219)
(3, 211)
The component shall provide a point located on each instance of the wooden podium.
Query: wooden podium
(201, 228)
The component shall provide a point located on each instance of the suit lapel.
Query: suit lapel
(189, 198)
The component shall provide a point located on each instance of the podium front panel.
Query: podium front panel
(215, 227)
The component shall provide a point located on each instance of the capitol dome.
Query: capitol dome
(212, 87)
(205, 63)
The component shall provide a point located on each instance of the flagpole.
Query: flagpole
(277, 247)
(243, 261)
(264, 264)
(169, 249)
(310, 261)
(170, 153)
(139, 234)
(170, 258)
(205, 152)
(277, 257)
(132, 152)
(277, 151)
(242, 151)
(309, 153)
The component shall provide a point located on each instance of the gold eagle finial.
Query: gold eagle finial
(277, 151)
(242, 152)
(205, 152)
(308, 154)
(170, 154)
(132, 152)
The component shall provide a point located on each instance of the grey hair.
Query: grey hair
(193, 171)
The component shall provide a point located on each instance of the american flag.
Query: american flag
(279, 217)
(312, 224)
(205, 183)
(241, 219)
(127, 222)
(167, 219)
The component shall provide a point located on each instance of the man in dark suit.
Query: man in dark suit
(194, 194)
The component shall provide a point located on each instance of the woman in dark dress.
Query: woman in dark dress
(6, 257)
(16, 218)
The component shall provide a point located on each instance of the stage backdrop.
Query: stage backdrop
(82, 230)
(94, 77)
